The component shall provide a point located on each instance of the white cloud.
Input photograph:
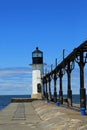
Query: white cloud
(15, 81)
(14, 71)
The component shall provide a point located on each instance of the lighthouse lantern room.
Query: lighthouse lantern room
(37, 72)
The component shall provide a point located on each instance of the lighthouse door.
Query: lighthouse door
(39, 88)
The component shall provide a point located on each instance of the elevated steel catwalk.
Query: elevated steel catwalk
(78, 55)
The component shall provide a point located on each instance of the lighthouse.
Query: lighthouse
(37, 72)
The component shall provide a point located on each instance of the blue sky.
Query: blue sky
(53, 25)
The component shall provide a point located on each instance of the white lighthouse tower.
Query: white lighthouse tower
(37, 72)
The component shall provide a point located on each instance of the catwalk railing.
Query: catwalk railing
(78, 55)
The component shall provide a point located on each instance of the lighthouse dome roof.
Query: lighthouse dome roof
(37, 50)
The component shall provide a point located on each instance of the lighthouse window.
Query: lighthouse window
(37, 55)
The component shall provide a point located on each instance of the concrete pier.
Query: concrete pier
(39, 115)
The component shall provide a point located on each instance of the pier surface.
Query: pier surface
(39, 115)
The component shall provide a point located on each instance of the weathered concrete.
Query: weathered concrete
(39, 115)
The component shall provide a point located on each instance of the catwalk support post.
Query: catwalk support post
(49, 88)
(60, 91)
(69, 68)
(55, 92)
(81, 60)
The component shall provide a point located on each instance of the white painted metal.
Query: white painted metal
(37, 71)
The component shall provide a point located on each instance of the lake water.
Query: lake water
(6, 99)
